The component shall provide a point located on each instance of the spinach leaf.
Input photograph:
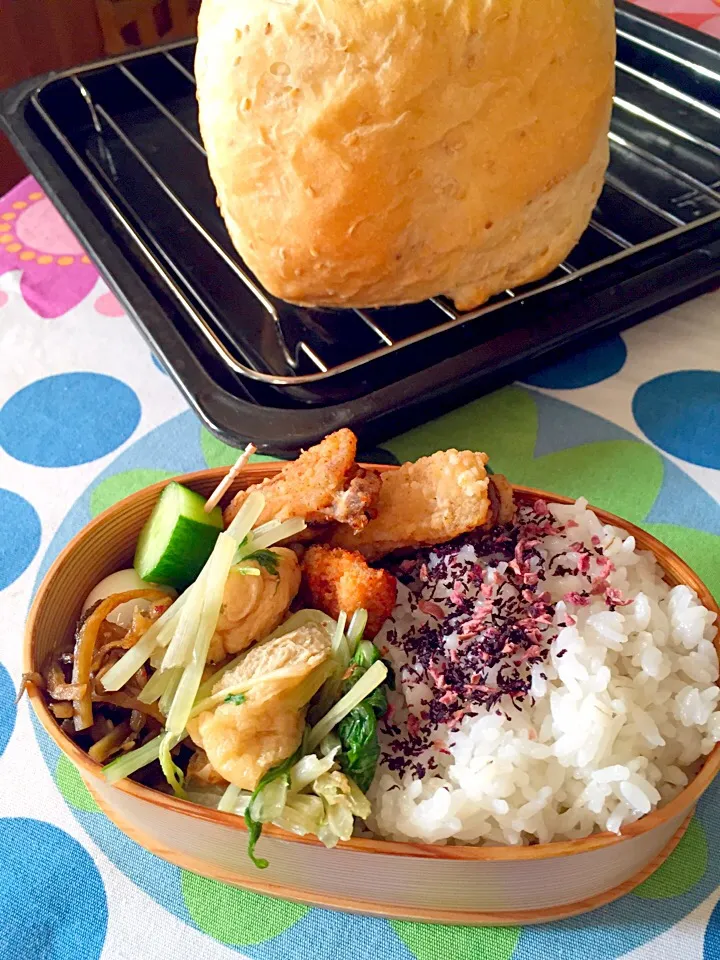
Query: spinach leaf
(360, 747)
(378, 701)
(358, 731)
(254, 827)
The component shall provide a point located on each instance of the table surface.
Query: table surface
(87, 415)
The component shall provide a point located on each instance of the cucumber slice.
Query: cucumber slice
(177, 539)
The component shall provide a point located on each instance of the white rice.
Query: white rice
(615, 729)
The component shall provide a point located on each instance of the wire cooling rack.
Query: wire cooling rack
(124, 134)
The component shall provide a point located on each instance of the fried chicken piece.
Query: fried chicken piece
(324, 484)
(335, 579)
(501, 500)
(253, 606)
(244, 740)
(431, 501)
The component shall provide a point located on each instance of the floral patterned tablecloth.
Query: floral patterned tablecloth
(87, 415)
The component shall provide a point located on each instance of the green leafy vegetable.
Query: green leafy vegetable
(236, 698)
(377, 701)
(360, 747)
(358, 730)
(254, 827)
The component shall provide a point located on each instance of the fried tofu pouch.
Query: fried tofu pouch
(323, 485)
(433, 500)
(253, 606)
(334, 579)
(244, 740)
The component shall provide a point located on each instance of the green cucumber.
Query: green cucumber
(177, 539)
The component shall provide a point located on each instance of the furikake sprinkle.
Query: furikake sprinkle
(488, 621)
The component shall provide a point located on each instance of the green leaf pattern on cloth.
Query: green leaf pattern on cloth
(236, 917)
(219, 454)
(683, 868)
(120, 485)
(433, 942)
(623, 476)
(71, 786)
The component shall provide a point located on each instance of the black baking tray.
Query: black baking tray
(116, 147)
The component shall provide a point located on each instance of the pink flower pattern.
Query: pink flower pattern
(56, 273)
(701, 14)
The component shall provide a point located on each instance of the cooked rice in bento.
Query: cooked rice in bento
(549, 684)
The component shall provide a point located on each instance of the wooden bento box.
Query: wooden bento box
(447, 884)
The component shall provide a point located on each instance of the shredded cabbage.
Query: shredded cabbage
(229, 799)
(329, 743)
(309, 768)
(301, 815)
(270, 801)
(340, 820)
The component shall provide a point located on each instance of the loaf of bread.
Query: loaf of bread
(370, 152)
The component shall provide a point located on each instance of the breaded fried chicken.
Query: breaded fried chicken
(323, 485)
(502, 504)
(431, 501)
(335, 579)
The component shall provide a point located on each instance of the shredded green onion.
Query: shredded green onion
(209, 703)
(136, 759)
(157, 685)
(206, 687)
(247, 571)
(372, 678)
(356, 630)
(173, 774)
(261, 540)
(339, 643)
(168, 694)
(179, 651)
(246, 517)
(218, 568)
